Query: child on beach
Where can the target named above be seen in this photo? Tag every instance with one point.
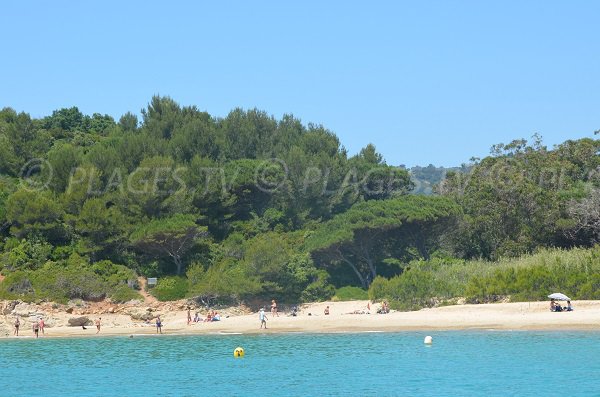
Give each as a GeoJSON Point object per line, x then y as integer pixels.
{"type": "Point", "coordinates": [262, 317]}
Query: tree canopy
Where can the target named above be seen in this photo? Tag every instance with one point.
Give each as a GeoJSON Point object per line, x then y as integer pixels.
{"type": "Point", "coordinates": [172, 237]}
{"type": "Point", "coordinates": [248, 206]}
{"type": "Point", "coordinates": [369, 232]}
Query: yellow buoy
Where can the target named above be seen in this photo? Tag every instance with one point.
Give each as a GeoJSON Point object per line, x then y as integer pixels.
{"type": "Point", "coordinates": [238, 352]}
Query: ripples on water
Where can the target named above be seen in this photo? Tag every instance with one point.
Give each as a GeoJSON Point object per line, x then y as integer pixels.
{"type": "Point", "coordinates": [372, 364]}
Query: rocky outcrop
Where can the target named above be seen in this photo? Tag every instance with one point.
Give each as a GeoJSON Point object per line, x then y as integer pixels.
{"type": "Point", "coordinates": [26, 310]}
{"type": "Point", "coordinates": [8, 306]}
{"type": "Point", "coordinates": [79, 321]}
{"type": "Point", "coordinates": [140, 313]}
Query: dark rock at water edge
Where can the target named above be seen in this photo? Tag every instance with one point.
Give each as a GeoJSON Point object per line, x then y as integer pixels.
{"type": "Point", "coordinates": [79, 321]}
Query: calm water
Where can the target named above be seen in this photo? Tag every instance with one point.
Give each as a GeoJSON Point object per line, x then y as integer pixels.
{"type": "Point", "coordinates": [367, 364]}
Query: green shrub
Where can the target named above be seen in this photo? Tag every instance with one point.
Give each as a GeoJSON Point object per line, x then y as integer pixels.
{"type": "Point", "coordinates": [319, 290]}
{"type": "Point", "coordinates": [350, 293]}
{"type": "Point", "coordinates": [123, 293]}
{"type": "Point", "coordinates": [170, 288]}
{"type": "Point", "coordinates": [378, 289]}
{"type": "Point", "coordinates": [17, 285]}
{"type": "Point", "coordinates": [534, 283]}
{"type": "Point", "coordinates": [61, 282]}
{"type": "Point", "coordinates": [226, 281]}
{"type": "Point", "coordinates": [26, 254]}
{"type": "Point", "coordinates": [411, 290]}
{"type": "Point", "coordinates": [54, 282]}
{"type": "Point", "coordinates": [63, 252]}
{"type": "Point", "coordinates": [73, 278]}
{"type": "Point", "coordinates": [575, 272]}
{"type": "Point", "coordinates": [404, 306]}
{"type": "Point", "coordinates": [114, 274]}
{"type": "Point", "coordinates": [590, 289]}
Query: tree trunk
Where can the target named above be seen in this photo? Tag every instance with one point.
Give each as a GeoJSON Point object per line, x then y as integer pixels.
{"type": "Point", "coordinates": [420, 244]}
{"type": "Point", "coordinates": [363, 282]}
{"type": "Point", "coordinates": [364, 253]}
{"type": "Point", "coordinates": [178, 263]}
{"type": "Point", "coordinates": [372, 267]}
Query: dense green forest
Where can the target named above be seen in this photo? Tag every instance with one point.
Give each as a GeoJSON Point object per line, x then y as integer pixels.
{"type": "Point", "coordinates": [249, 207]}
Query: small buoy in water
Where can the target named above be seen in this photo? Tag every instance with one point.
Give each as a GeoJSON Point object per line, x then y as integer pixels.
{"type": "Point", "coordinates": [238, 352]}
{"type": "Point", "coordinates": [428, 340]}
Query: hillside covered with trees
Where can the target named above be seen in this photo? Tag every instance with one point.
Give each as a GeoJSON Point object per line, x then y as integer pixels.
{"type": "Point", "coordinates": [250, 207]}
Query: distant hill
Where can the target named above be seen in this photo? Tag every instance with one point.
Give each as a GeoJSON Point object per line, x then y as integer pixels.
{"type": "Point", "coordinates": [425, 178]}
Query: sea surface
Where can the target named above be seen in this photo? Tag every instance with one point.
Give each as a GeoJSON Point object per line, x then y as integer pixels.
{"type": "Point", "coordinates": [481, 363]}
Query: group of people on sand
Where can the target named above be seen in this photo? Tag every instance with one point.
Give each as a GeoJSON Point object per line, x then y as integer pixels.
{"type": "Point", "coordinates": [211, 316]}
{"type": "Point", "coordinates": [384, 309]}
{"type": "Point", "coordinates": [37, 326]}
{"type": "Point", "coordinates": [262, 316]}
{"type": "Point", "coordinates": [556, 307]}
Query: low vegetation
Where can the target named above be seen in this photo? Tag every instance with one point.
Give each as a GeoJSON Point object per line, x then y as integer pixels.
{"type": "Point", "coordinates": [574, 272]}
{"type": "Point", "coordinates": [349, 293]}
{"type": "Point", "coordinates": [69, 279]}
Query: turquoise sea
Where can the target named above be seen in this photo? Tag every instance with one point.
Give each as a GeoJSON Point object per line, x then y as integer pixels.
{"type": "Point", "coordinates": [482, 363]}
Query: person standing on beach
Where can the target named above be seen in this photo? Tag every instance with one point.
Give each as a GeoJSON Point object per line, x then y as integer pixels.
{"type": "Point", "coordinates": [274, 308]}
{"type": "Point", "coordinates": [17, 325]}
{"type": "Point", "coordinates": [263, 318]}
{"type": "Point", "coordinates": [42, 325]}
{"type": "Point", "coordinates": [98, 322]}
{"type": "Point", "coordinates": [36, 329]}
{"type": "Point", "coordinates": [158, 325]}
{"type": "Point", "coordinates": [189, 313]}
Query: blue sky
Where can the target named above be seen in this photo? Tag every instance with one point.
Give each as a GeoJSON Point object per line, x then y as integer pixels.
{"type": "Point", "coordinates": [426, 82]}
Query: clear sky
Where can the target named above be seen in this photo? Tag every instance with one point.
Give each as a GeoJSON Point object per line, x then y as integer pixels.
{"type": "Point", "coordinates": [425, 81]}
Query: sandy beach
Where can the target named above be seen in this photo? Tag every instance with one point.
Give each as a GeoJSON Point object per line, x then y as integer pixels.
{"type": "Point", "coordinates": [344, 317]}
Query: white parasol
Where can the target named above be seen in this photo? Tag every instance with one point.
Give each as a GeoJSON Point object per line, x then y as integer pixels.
{"type": "Point", "coordinates": [559, 297]}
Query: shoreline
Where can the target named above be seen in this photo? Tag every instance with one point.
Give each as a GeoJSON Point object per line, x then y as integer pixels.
{"type": "Point", "coordinates": [344, 318]}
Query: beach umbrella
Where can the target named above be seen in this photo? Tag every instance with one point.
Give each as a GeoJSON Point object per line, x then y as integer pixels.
{"type": "Point", "coordinates": [559, 297]}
